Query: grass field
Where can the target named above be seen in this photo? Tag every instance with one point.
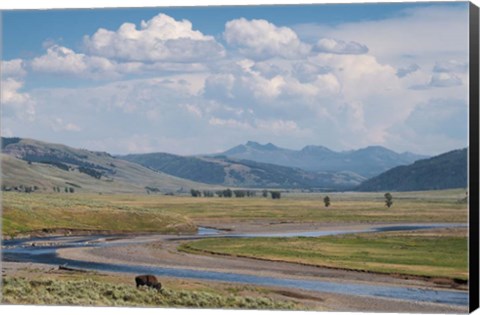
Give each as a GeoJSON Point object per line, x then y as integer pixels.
{"type": "Point", "coordinates": [100, 290]}
{"type": "Point", "coordinates": [436, 253]}
{"type": "Point", "coordinates": [308, 207]}
{"type": "Point", "coordinates": [23, 213]}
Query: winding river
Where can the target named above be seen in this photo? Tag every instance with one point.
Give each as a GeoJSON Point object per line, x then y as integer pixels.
{"type": "Point", "coordinates": [23, 251]}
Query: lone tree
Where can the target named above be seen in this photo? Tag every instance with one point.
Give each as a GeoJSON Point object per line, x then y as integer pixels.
{"type": "Point", "coordinates": [326, 201]}
{"type": "Point", "coordinates": [388, 200]}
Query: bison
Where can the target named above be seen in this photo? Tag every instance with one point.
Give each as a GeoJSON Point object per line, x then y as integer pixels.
{"type": "Point", "coordinates": [149, 281]}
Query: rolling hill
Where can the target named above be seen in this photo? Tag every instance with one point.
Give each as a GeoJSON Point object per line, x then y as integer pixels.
{"type": "Point", "coordinates": [367, 162]}
{"type": "Point", "coordinates": [30, 163]}
{"type": "Point", "coordinates": [448, 170]}
{"type": "Point", "coordinates": [243, 173]}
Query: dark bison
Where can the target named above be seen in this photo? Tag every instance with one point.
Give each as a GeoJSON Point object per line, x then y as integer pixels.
{"type": "Point", "coordinates": [149, 281]}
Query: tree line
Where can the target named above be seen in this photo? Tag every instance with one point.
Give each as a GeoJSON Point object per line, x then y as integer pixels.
{"type": "Point", "coordinates": [228, 193]}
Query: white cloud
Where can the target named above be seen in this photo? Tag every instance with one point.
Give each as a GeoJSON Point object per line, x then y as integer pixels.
{"type": "Point", "coordinates": [403, 72]}
{"type": "Point", "coordinates": [193, 110]}
{"type": "Point", "coordinates": [332, 46]}
{"type": "Point", "coordinates": [451, 66]}
{"type": "Point", "coordinates": [262, 39]}
{"type": "Point", "coordinates": [14, 68]}
{"type": "Point", "coordinates": [277, 126]}
{"type": "Point", "coordinates": [230, 123]}
{"type": "Point", "coordinates": [63, 60]}
{"type": "Point", "coordinates": [160, 39]}
{"type": "Point", "coordinates": [361, 84]}
{"type": "Point", "coordinates": [433, 127]}
{"type": "Point", "coordinates": [443, 79]}
{"type": "Point", "coordinates": [424, 34]}
{"type": "Point", "coordinates": [58, 125]}
{"type": "Point", "coordinates": [14, 101]}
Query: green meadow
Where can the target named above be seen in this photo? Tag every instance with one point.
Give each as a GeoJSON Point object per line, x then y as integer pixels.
{"type": "Point", "coordinates": [25, 213]}
{"type": "Point", "coordinates": [437, 253]}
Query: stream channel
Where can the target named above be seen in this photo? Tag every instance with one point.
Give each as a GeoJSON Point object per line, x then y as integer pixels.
{"type": "Point", "coordinates": [21, 250]}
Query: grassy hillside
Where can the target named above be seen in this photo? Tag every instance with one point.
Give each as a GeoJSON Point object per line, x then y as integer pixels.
{"type": "Point", "coordinates": [32, 163]}
{"type": "Point", "coordinates": [448, 170]}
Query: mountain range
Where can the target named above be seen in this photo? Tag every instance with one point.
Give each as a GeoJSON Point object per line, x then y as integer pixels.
{"type": "Point", "coordinates": [221, 170]}
{"type": "Point", "coordinates": [366, 162]}
{"type": "Point", "coordinates": [48, 166]}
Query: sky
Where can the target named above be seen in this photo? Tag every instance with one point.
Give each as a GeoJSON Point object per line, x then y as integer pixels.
{"type": "Point", "coordinates": [205, 79]}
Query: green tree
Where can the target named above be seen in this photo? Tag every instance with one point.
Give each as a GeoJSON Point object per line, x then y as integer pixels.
{"type": "Point", "coordinates": [208, 193]}
{"type": "Point", "coordinates": [276, 194]}
{"type": "Point", "coordinates": [195, 193]}
{"type": "Point", "coordinates": [326, 201]}
{"type": "Point", "coordinates": [239, 193]}
{"type": "Point", "coordinates": [388, 199]}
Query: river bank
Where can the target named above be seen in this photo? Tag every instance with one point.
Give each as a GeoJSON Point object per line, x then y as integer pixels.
{"type": "Point", "coordinates": [160, 251]}
{"type": "Point", "coordinates": [308, 300]}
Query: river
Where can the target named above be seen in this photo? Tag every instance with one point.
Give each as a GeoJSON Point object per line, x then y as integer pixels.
{"type": "Point", "coordinates": [23, 251]}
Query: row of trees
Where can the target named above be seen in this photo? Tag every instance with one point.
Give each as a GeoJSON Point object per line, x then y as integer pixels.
{"type": "Point", "coordinates": [30, 189]}
{"type": "Point", "coordinates": [228, 193]}
{"type": "Point", "coordinates": [20, 188]}
{"type": "Point", "coordinates": [66, 189]}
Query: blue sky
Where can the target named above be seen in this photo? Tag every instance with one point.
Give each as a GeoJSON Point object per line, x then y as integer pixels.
{"type": "Point", "coordinates": [204, 79]}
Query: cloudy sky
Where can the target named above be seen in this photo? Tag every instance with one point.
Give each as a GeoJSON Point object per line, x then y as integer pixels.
{"type": "Point", "coordinates": [201, 80]}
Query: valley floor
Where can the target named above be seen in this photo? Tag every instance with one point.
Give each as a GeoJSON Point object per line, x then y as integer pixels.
{"type": "Point", "coordinates": [162, 251]}
{"type": "Point", "coordinates": [136, 216]}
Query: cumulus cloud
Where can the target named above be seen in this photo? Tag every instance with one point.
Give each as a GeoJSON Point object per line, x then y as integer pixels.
{"type": "Point", "coordinates": [160, 39]}
{"type": "Point", "coordinates": [62, 60]}
{"type": "Point", "coordinates": [14, 68]}
{"type": "Point", "coordinates": [165, 80]}
{"type": "Point", "coordinates": [15, 102]}
{"type": "Point", "coordinates": [333, 46]}
{"type": "Point", "coordinates": [261, 39]}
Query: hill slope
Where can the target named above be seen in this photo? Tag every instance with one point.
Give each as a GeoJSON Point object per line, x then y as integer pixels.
{"type": "Point", "coordinates": [448, 170]}
{"type": "Point", "coordinates": [35, 163]}
{"type": "Point", "coordinates": [366, 162]}
{"type": "Point", "coordinates": [243, 173]}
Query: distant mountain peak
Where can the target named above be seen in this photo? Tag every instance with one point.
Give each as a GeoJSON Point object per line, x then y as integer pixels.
{"type": "Point", "coordinates": [367, 162]}
{"type": "Point", "coordinates": [255, 145]}
{"type": "Point", "coordinates": [316, 149]}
